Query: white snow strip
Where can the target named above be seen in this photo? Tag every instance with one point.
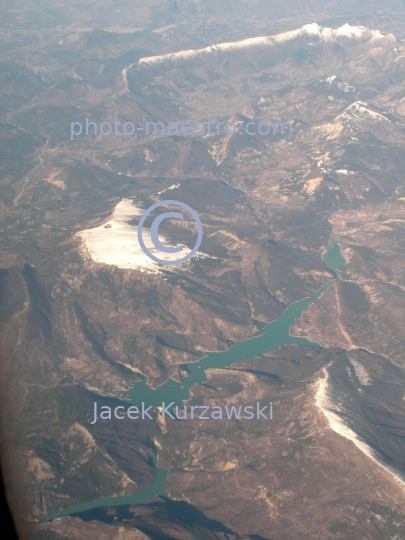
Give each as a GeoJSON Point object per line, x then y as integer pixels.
{"type": "Point", "coordinates": [344, 171]}
{"type": "Point", "coordinates": [361, 372]}
{"type": "Point", "coordinates": [174, 186]}
{"type": "Point", "coordinates": [337, 424]}
{"type": "Point", "coordinates": [357, 33]}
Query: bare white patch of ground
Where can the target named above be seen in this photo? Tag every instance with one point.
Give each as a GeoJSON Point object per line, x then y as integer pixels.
{"type": "Point", "coordinates": [116, 242]}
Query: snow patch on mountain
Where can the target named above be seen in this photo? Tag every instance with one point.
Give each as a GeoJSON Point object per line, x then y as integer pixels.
{"type": "Point", "coordinates": [362, 111]}
{"type": "Point", "coordinates": [355, 33]}
{"type": "Point", "coordinates": [335, 414]}
{"type": "Point", "coordinates": [361, 372]}
{"type": "Point", "coordinates": [116, 242]}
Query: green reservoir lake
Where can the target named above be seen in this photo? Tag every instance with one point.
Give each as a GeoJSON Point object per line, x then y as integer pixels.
{"type": "Point", "coordinates": [275, 335]}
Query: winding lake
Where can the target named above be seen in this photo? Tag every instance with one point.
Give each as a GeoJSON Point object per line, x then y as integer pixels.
{"type": "Point", "coordinates": [275, 335]}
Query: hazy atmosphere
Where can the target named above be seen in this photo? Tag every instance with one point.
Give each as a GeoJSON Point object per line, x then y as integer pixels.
{"type": "Point", "coordinates": [202, 269]}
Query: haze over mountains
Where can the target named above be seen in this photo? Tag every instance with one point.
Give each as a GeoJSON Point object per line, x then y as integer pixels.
{"type": "Point", "coordinates": [85, 316]}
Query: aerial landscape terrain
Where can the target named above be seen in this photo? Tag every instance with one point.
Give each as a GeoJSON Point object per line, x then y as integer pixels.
{"type": "Point", "coordinates": [294, 301]}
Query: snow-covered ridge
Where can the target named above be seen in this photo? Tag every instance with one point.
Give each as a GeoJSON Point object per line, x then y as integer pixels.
{"type": "Point", "coordinates": [361, 111]}
{"type": "Point", "coordinates": [331, 410]}
{"type": "Point", "coordinates": [355, 33]}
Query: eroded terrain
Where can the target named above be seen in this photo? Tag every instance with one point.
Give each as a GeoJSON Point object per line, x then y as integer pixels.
{"type": "Point", "coordinates": [85, 315]}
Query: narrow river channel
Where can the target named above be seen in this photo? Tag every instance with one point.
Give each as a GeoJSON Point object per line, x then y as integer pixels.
{"type": "Point", "coordinates": [275, 335]}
